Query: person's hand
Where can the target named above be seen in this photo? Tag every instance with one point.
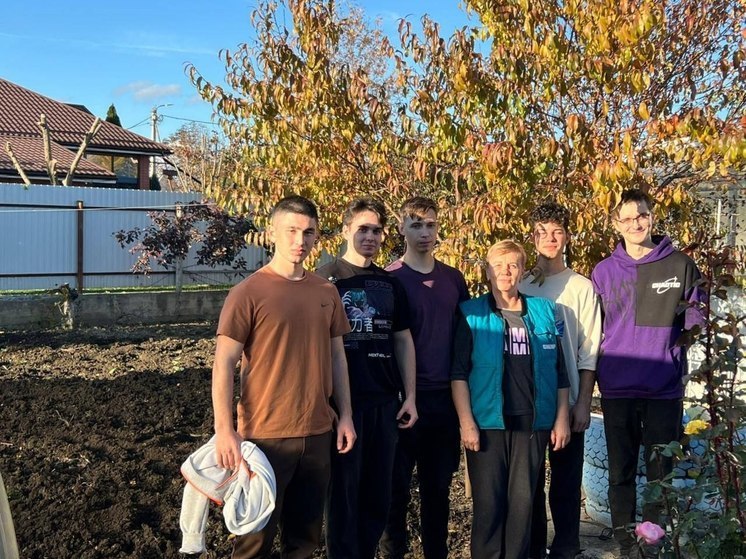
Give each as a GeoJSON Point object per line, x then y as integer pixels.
{"type": "Point", "coordinates": [580, 416]}
{"type": "Point", "coordinates": [228, 449]}
{"type": "Point", "coordinates": [407, 415]}
{"type": "Point", "coordinates": [470, 436]}
{"type": "Point", "coordinates": [346, 435]}
{"type": "Point", "coordinates": [560, 435]}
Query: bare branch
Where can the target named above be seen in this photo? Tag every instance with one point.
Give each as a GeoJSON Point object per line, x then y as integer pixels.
{"type": "Point", "coordinates": [81, 150]}
{"type": "Point", "coordinates": [51, 163]}
{"type": "Point", "coordinates": [16, 163]}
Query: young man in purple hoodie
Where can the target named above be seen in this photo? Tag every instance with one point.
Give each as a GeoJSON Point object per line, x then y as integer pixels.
{"type": "Point", "coordinates": [640, 369]}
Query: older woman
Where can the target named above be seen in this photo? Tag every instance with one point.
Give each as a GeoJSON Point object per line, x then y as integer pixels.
{"type": "Point", "coordinates": [510, 390]}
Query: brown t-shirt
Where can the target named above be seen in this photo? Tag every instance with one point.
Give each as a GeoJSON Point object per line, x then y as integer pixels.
{"type": "Point", "coordinates": [286, 373]}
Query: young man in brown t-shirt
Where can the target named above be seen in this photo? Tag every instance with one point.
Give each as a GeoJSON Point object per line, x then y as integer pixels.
{"type": "Point", "coordinates": [286, 326]}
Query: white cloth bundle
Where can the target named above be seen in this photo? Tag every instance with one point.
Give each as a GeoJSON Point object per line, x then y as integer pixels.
{"type": "Point", "coordinates": [247, 494]}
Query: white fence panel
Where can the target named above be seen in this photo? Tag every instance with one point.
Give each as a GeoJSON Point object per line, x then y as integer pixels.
{"type": "Point", "coordinates": [36, 242]}
{"type": "Point", "coordinates": [39, 228]}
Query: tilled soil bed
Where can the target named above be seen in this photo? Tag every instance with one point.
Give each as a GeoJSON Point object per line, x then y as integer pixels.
{"type": "Point", "coordinates": [94, 425]}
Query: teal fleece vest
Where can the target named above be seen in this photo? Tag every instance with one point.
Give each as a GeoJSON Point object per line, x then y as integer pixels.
{"type": "Point", "coordinates": [486, 376]}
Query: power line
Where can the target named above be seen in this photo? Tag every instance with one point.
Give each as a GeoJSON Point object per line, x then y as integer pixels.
{"type": "Point", "coordinates": [138, 124]}
{"type": "Point", "coordinates": [190, 120]}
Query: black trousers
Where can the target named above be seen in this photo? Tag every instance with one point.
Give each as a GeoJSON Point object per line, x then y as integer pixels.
{"type": "Point", "coordinates": [301, 467]}
{"type": "Point", "coordinates": [360, 488]}
{"type": "Point", "coordinates": [503, 476]}
{"type": "Point", "coordinates": [630, 422]}
{"type": "Point", "coordinates": [434, 446]}
{"type": "Point", "coordinates": [564, 501]}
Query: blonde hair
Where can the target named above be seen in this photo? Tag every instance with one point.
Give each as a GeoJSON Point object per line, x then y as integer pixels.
{"type": "Point", "coordinates": [503, 247]}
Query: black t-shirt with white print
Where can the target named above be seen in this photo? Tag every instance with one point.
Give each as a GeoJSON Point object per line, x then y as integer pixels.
{"type": "Point", "coordinates": [377, 307]}
{"type": "Point", "coordinates": [518, 380]}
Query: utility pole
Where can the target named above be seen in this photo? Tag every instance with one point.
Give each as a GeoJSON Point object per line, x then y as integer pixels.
{"type": "Point", "coordinates": [154, 123]}
{"type": "Point", "coordinates": [155, 118]}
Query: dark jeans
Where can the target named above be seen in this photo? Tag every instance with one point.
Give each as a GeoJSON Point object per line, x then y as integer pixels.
{"type": "Point", "coordinates": [629, 422]}
{"type": "Point", "coordinates": [566, 467]}
{"type": "Point", "coordinates": [503, 476]}
{"type": "Point", "coordinates": [360, 489]}
{"type": "Point", "coordinates": [434, 445]}
{"type": "Point", "coordinates": [301, 467]}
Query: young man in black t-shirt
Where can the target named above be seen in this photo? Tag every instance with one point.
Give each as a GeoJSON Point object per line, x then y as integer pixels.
{"type": "Point", "coordinates": [433, 445]}
{"type": "Point", "coordinates": [381, 361]}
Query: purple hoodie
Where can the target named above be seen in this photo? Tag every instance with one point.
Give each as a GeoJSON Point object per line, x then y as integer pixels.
{"type": "Point", "coordinates": [643, 320]}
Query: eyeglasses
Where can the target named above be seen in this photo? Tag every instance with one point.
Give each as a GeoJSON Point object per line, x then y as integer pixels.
{"type": "Point", "coordinates": [628, 221]}
{"type": "Point", "coordinates": [543, 233]}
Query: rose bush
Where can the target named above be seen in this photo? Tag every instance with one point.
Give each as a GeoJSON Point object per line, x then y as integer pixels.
{"type": "Point", "coordinates": [704, 498]}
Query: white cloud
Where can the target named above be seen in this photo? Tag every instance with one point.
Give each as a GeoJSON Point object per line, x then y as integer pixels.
{"type": "Point", "coordinates": [148, 91]}
{"type": "Point", "coordinates": [162, 50]}
{"type": "Point", "coordinates": [195, 100]}
{"type": "Point", "coordinates": [391, 16]}
{"type": "Point", "coordinates": [150, 46]}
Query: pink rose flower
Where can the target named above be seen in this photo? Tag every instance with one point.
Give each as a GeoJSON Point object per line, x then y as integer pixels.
{"type": "Point", "coordinates": [649, 532]}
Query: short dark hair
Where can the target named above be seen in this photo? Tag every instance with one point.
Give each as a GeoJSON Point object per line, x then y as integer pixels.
{"type": "Point", "coordinates": [633, 195]}
{"type": "Point", "coordinates": [417, 207]}
{"type": "Point", "coordinates": [364, 205]}
{"type": "Point", "coordinates": [550, 212]}
{"type": "Point", "coordinates": [295, 204]}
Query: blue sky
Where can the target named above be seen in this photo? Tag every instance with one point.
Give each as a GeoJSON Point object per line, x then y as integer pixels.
{"type": "Point", "coordinates": [132, 53]}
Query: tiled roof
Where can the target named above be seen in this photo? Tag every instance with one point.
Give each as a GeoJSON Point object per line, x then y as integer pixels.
{"type": "Point", "coordinates": [20, 109]}
{"type": "Point", "coordinates": [30, 155]}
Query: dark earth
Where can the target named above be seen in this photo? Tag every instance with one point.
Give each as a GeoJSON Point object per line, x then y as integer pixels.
{"type": "Point", "coordinates": [94, 425]}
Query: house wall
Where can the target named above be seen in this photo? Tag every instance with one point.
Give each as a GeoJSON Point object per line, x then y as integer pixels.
{"type": "Point", "coordinates": [143, 172]}
{"type": "Point", "coordinates": [730, 198]}
{"type": "Point", "coordinates": [40, 245]}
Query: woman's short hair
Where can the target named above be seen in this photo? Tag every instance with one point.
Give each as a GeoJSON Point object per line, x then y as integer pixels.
{"type": "Point", "coordinates": [507, 246]}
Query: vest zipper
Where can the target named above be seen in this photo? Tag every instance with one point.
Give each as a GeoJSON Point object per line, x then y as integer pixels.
{"type": "Point", "coordinates": [531, 349]}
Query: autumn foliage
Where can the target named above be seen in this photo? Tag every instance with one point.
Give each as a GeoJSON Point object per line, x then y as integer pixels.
{"type": "Point", "coordinates": [566, 100]}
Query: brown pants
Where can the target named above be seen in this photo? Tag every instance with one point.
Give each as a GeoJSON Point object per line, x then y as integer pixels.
{"type": "Point", "coordinates": [302, 467]}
